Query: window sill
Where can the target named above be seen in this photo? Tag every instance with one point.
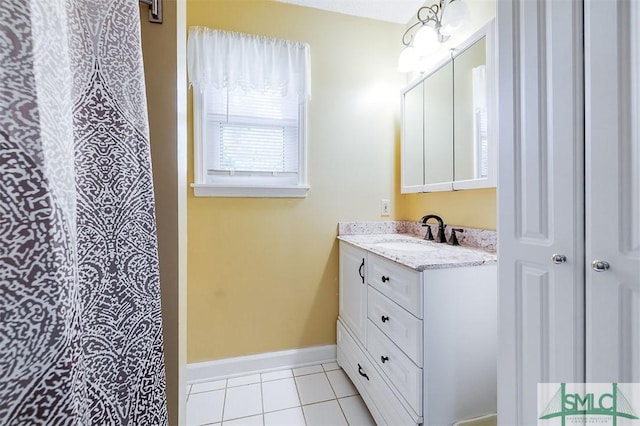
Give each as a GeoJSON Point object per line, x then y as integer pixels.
{"type": "Point", "coordinates": [209, 190]}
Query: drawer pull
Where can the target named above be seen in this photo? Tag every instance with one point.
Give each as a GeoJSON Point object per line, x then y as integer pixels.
{"type": "Point", "coordinates": [385, 279]}
{"type": "Point", "coordinates": [384, 318]}
{"type": "Point", "coordinates": [362, 373]}
{"type": "Point", "coordinates": [384, 359]}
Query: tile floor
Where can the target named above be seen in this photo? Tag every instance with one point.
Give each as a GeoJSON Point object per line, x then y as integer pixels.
{"type": "Point", "coordinates": [316, 395]}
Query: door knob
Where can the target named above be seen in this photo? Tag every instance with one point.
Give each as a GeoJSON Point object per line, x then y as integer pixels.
{"type": "Point", "coordinates": [559, 258]}
{"type": "Point", "coordinates": [599, 265]}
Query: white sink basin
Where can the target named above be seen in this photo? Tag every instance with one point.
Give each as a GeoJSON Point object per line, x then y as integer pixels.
{"type": "Point", "coordinates": [405, 246]}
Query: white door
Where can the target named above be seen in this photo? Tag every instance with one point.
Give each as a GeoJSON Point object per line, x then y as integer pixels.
{"type": "Point", "coordinates": [353, 290]}
{"type": "Point", "coordinates": [612, 72]}
{"type": "Point", "coordinates": [540, 203]}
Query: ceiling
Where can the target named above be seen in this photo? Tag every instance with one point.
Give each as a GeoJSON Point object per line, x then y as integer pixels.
{"type": "Point", "coordinates": [396, 11]}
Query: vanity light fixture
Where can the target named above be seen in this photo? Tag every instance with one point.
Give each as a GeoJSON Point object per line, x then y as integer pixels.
{"type": "Point", "coordinates": [436, 23]}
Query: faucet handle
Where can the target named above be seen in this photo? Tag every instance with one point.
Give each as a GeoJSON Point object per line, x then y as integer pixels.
{"type": "Point", "coordinates": [440, 237]}
{"type": "Point", "coordinates": [428, 236]}
{"type": "Point", "coordinates": [453, 240]}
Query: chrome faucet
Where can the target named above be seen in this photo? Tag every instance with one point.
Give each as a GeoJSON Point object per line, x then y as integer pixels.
{"type": "Point", "coordinates": [440, 238]}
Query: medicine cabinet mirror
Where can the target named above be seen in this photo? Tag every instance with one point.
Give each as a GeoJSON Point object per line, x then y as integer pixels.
{"type": "Point", "coordinates": [448, 136]}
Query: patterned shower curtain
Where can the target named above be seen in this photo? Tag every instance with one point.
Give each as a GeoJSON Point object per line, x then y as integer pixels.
{"type": "Point", "coordinates": [80, 318]}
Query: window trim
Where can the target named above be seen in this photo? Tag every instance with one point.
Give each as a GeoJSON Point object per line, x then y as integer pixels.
{"type": "Point", "coordinates": [244, 188]}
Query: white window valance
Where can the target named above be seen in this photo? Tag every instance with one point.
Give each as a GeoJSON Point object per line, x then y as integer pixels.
{"type": "Point", "coordinates": [223, 59]}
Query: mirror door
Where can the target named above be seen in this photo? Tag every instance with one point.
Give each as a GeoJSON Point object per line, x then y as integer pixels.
{"type": "Point", "coordinates": [471, 151]}
{"type": "Point", "coordinates": [412, 140]}
{"type": "Point", "coordinates": [438, 129]}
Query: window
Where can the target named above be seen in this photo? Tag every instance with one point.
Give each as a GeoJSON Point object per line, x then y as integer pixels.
{"type": "Point", "coordinates": [249, 114]}
{"type": "Point", "coordinates": [252, 136]}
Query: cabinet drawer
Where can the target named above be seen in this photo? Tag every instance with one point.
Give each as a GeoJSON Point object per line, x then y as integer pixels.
{"type": "Point", "coordinates": [403, 373]}
{"type": "Point", "coordinates": [385, 407]}
{"type": "Point", "coordinates": [400, 326]}
{"type": "Point", "coordinates": [400, 284]}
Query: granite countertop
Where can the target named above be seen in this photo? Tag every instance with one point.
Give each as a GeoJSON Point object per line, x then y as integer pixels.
{"type": "Point", "coordinates": [440, 256]}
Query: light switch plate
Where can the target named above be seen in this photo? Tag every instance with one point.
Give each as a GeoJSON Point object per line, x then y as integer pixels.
{"type": "Point", "coordinates": [385, 207]}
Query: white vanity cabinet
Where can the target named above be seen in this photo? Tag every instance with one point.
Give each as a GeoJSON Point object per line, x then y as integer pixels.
{"type": "Point", "coordinates": [427, 354]}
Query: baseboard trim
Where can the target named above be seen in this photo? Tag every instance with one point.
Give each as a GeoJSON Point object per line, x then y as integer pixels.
{"type": "Point", "coordinates": [260, 363]}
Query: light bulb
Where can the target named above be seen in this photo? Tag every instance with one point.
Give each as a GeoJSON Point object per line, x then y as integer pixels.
{"type": "Point", "coordinates": [408, 60]}
{"type": "Point", "coordinates": [454, 17]}
{"type": "Point", "coordinates": [426, 40]}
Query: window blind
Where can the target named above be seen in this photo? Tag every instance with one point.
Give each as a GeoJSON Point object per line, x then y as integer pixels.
{"type": "Point", "coordinates": [252, 132]}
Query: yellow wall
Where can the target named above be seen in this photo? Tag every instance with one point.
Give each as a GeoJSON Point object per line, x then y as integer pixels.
{"type": "Point", "coordinates": [263, 273]}
{"type": "Point", "coordinates": [471, 208]}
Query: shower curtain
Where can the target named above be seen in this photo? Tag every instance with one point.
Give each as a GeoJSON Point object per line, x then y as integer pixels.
{"type": "Point", "coordinates": [80, 318]}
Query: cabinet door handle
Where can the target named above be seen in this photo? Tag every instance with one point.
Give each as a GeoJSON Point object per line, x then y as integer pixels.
{"type": "Point", "coordinates": [385, 279]}
{"type": "Point", "coordinates": [362, 373]}
{"type": "Point", "coordinates": [361, 271]}
{"type": "Point", "coordinates": [384, 318]}
{"type": "Point", "coordinates": [384, 359]}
